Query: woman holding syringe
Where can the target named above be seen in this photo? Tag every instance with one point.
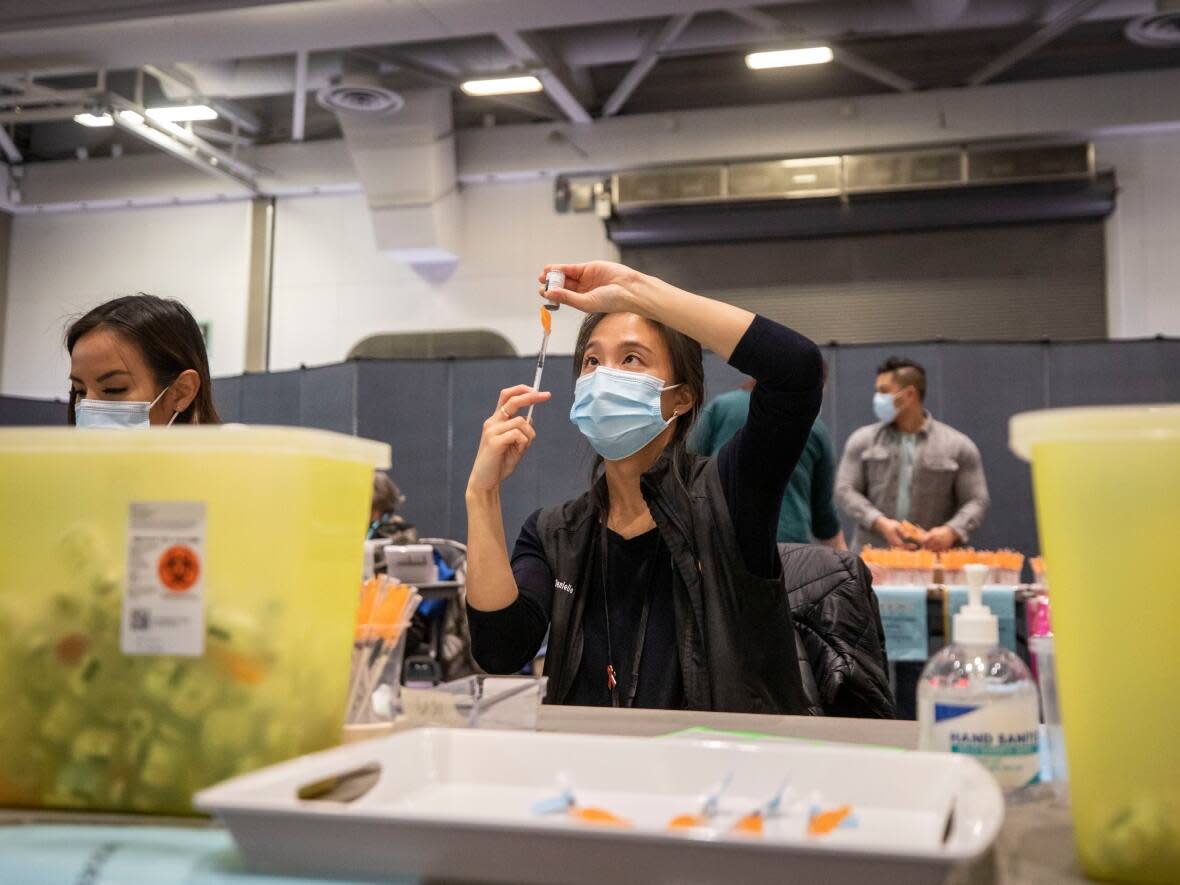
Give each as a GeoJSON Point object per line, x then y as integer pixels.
{"type": "Point", "coordinates": [661, 586]}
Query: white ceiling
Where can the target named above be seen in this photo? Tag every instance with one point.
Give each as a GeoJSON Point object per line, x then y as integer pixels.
{"type": "Point", "coordinates": [73, 33]}
{"type": "Point", "coordinates": [587, 52]}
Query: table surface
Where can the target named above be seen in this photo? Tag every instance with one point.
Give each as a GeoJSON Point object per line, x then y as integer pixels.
{"type": "Point", "coordinates": [1035, 846]}
{"type": "Point", "coordinates": [652, 723]}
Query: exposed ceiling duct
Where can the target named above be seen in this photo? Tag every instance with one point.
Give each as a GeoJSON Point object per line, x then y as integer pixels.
{"type": "Point", "coordinates": [405, 163]}
{"type": "Point", "coordinates": [253, 77]}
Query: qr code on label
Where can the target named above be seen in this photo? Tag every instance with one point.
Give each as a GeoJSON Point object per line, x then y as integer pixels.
{"type": "Point", "coordinates": [141, 619]}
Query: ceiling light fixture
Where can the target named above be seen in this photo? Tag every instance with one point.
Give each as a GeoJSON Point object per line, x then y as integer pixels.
{"type": "Point", "coordinates": [94, 121]}
{"type": "Point", "coordinates": [789, 58]}
{"type": "Point", "coordinates": [97, 121]}
{"type": "Point", "coordinates": [501, 86]}
{"type": "Point", "coordinates": [184, 113]}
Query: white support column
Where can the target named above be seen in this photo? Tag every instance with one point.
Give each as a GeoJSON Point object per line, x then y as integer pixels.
{"type": "Point", "coordinates": [299, 109]}
{"type": "Point", "coordinates": [258, 297]}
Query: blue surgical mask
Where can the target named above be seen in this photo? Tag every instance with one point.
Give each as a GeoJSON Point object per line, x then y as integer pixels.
{"type": "Point", "coordinates": [116, 414]}
{"type": "Point", "coordinates": [884, 407]}
{"type": "Point", "coordinates": [619, 412]}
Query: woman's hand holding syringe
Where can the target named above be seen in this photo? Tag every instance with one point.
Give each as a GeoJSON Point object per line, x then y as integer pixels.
{"type": "Point", "coordinates": [554, 279]}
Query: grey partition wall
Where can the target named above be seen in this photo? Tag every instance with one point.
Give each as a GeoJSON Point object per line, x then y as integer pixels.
{"type": "Point", "coordinates": [19, 411]}
{"type": "Point", "coordinates": [431, 412]}
{"type": "Point", "coordinates": [408, 404]}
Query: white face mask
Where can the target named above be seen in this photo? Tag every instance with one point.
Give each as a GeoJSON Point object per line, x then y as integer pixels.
{"type": "Point", "coordinates": [117, 414]}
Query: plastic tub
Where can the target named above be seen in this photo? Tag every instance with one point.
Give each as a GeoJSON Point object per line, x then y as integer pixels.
{"type": "Point", "coordinates": [175, 606]}
{"type": "Point", "coordinates": [1107, 488]}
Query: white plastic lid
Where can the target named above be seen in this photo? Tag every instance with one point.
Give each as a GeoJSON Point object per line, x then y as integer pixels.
{"type": "Point", "coordinates": [198, 439]}
{"type": "Point", "coordinates": [974, 623]}
{"type": "Point", "coordinates": [1092, 424]}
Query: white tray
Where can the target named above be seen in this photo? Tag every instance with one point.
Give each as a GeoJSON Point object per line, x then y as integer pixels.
{"type": "Point", "coordinates": [457, 804]}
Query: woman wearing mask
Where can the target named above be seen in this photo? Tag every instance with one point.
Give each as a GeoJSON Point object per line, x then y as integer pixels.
{"type": "Point", "coordinates": [661, 586]}
{"type": "Point", "coordinates": [138, 361]}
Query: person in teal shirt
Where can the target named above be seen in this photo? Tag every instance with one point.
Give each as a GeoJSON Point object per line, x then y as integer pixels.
{"type": "Point", "coordinates": [808, 513]}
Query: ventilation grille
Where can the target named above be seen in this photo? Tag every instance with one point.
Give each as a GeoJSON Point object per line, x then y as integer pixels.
{"type": "Point", "coordinates": [802, 178]}
{"type": "Point", "coordinates": [1160, 31]}
{"type": "Point", "coordinates": [359, 98]}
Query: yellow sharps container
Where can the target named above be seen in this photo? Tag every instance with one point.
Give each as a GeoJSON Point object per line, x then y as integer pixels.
{"type": "Point", "coordinates": [176, 606]}
{"type": "Point", "coordinates": [1107, 488]}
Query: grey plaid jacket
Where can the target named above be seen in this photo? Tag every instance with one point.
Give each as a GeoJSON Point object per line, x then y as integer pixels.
{"type": "Point", "coordinates": [947, 488]}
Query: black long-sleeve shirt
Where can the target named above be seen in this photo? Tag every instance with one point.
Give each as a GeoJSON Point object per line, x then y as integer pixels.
{"type": "Point", "coordinates": [754, 467]}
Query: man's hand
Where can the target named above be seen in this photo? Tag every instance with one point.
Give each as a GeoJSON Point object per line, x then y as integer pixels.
{"type": "Point", "coordinates": [941, 539]}
{"type": "Point", "coordinates": [890, 530]}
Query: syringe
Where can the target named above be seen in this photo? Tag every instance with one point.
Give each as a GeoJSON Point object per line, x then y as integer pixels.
{"type": "Point", "coordinates": [547, 325]}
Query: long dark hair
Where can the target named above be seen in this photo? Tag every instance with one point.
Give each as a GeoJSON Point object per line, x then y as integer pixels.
{"type": "Point", "coordinates": [688, 368]}
{"type": "Point", "coordinates": [167, 336]}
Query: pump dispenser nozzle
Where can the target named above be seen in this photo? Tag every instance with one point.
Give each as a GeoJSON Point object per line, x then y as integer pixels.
{"type": "Point", "coordinates": [974, 624]}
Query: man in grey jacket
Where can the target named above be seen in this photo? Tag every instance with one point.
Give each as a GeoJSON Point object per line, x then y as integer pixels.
{"type": "Point", "coordinates": [910, 468]}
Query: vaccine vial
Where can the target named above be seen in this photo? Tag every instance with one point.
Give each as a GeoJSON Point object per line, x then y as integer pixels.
{"type": "Point", "coordinates": [555, 279]}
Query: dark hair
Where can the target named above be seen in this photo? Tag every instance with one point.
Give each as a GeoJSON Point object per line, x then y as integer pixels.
{"type": "Point", "coordinates": [688, 368]}
{"type": "Point", "coordinates": [387, 497]}
{"type": "Point", "coordinates": [167, 336]}
{"type": "Point", "coordinates": [906, 373]}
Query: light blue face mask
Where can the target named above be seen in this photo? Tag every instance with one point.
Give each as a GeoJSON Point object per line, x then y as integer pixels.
{"type": "Point", "coordinates": [884, 407]}
{"type": "Point", "coordinates": [116, 414]}
{"type": "Point", "coordinates": [619, 412]}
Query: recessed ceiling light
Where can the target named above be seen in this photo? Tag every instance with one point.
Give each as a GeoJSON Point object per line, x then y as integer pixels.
{"type": "Point", "coordinates": [501, 86]}
{"type": "Point", "coordinates": [185, 113]}
{"type": "Point", "coordinates": [789, 58]}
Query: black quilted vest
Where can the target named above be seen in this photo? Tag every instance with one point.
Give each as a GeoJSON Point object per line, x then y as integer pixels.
{"type": "Point", "coordinates": [735, 636]}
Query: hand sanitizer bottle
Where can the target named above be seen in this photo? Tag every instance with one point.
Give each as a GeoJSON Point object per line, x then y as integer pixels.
{"type": "Point", "coordinates": [979, 699]}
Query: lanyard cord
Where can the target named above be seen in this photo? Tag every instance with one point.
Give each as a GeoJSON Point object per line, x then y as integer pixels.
{"type": "Point", "coordinates": [612, 682]}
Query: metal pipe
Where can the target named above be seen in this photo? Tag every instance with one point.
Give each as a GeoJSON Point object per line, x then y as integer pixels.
{"type": "Point", "coordinates": [647, 59]}
{"type": "Point", "coordinates": [872, 70]}
{"type": "Point", "coordinates": [44, 97]}
{"type": "Point", "coordinates": [181, 144]}
{"type": "Point", "coordinates": [218, 137]}
{"type": "Point", "coordinates": [1051, 31]}
{"type": "Point", "coordinates": [8, 147]}
{"type": "Point", "coordinates": [184, 86]}
{"type": "Point", "coordinates": [44, 115]}
{"type": "Point", "coordinates": [552, 73]}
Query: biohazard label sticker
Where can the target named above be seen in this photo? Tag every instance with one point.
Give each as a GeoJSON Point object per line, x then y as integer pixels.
{"type": "Point", "coordinates": [163, 603]}
{"type": "Point", "coordinates": [180, 567]}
